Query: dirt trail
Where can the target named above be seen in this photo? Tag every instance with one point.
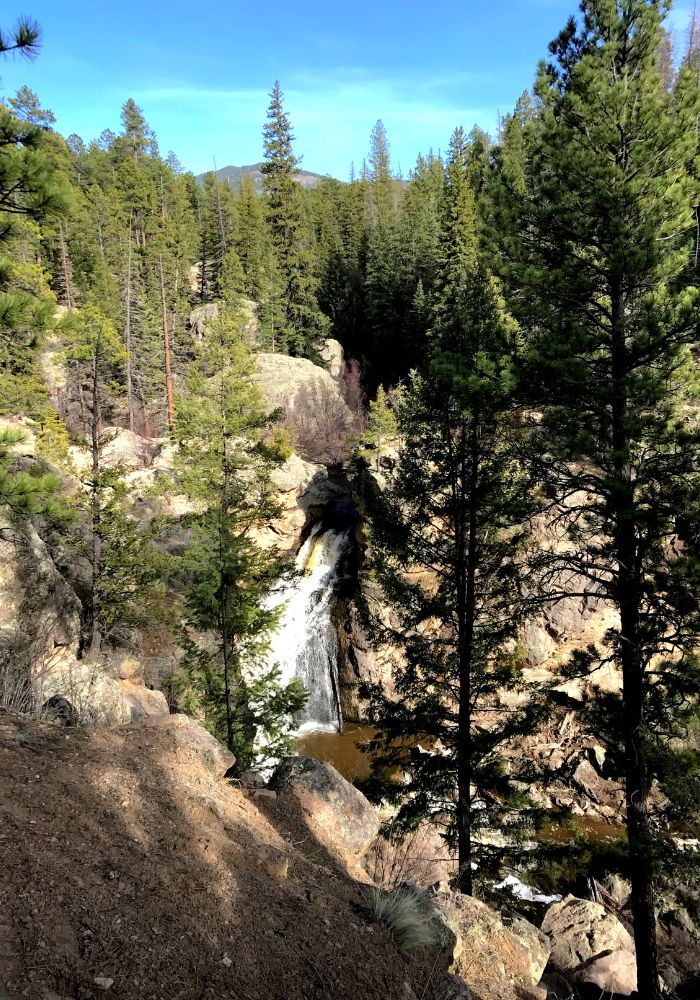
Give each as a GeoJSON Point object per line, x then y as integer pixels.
{"type": "Point", "coordinates": [129, 868]}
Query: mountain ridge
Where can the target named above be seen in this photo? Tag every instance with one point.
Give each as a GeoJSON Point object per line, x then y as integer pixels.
{"type": "Point", "coordinates": [233, 175]}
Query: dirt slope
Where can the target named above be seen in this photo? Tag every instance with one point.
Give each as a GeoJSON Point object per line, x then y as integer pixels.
{"type": "Point", "coordinates": [129, 868]}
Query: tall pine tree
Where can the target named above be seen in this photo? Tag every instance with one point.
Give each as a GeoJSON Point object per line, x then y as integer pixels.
{"type": "Point", "coordinates": [600, 271]}
{"type": "Point", "coordinates": [303, 323]}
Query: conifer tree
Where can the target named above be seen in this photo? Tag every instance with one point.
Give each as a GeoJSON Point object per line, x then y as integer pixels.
{"type": "Point", "coordinates": [599, 270]}
{"type": "Point", "coordinates": [303, 322]}
{"type": "Point", "coordinates": [27, 107]}
{"type": "Point", "coordinates": [123, 568]}
{"type": "Point", "coordinates": [24, 37]}
{"type": "Point", "coordinates": [250, 240]}
{"type": "Point", "coordinates": [451, 517]}
{"type": "Point", "coordinates": [29, 195]}
{"type": "Point", "coordinates": [225, 472]}
{"type": "Point", "coordinates": [381, 428]}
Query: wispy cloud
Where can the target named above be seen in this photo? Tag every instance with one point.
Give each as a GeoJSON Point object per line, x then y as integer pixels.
{"type": "Point", "coordinates": [332, 116]}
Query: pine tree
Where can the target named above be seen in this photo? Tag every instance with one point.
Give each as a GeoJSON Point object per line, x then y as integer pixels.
{"type": "Point", "coordinates": [601, 278]}
{"type": "Point", "coordinates": [380, 180]}
{"type": "Point", "coordinates": [27, 107]}
{"type": "Point", "coordinates": [137, 137]}
{"type": "Point", "coordinates": [446, 537]}
{"type": "Point", "coordinates": [24, 38]}
{"type": "Point", "coordinates": [123, 568]}
{"type": "Point", "coordinates": [217, 226]}
{"type": "Point", "coordinates": [29, 195]}
{"type": "Point", "coordinates": [250, 239]}
{"type": "Point", "coordinates": [225, 473]}
{"type": "Point", "coordinates": [303, 323]}
{"type": "Point", "coordinates": [381, 428]}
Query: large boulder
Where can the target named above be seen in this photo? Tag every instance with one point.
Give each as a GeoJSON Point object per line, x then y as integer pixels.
{"type": "Point", "coordinates": [422, 857]}
{"type": "Point", "coordinates": [331, 353]}
{"type": "Point", "coordinates": [335, 811]}
{"type": "Point", "coordinates": [289, 383]}
{"type": "Point", "coordinates": [591, 945]}
{"type": "Point", "coordinates": [316, 412]}
{"type": "Point", "coordinates": [95, 698]}
{"type": "Point", "coordinates": [303, 491]}
{"type": "Point", "coordinates": [192, 742]}
{"type": "Point", "coordinates": [499, 958]}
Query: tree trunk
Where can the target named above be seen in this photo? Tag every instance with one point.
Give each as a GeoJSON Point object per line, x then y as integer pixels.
{"type": "Point", "coordinates": [628, 599]}
{"type": "Point", "coordinates": [465, 537]}
{"type": "Point", "coordinates": [166, 353]}
{"type": "Point", "coordinates": [127, 338]}
{"type": "Point", "coordinates": [96, 557]}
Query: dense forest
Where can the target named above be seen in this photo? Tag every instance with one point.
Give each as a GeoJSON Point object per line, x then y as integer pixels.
{"type": "Point", "coordinates": [519, 318]}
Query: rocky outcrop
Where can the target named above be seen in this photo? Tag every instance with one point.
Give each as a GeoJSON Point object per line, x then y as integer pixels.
{"type": "Point", "coordinates": [499, 958]}
{"type": "Point", "coordinates": [192, 742]}
{"type": "Point", "coordinates": [315, 410]}
{"type": "Point", "coordinates": [94, 697]}
{"type": "Point", "coordinates": [331, 353]}
{"type": "Point", "coordinates": [39, 612]}
{"type": "Point", "coordinates": [590, 945]}
{"type": "Point", "coordinates": [130, 861]}
{"type": "Point", "coordinates": [304, 491]}
{"type": "Point", "coordinates": [422, 857]}
{"type": "Point", "coordinates": [337, 813]}
{"type": "Point", "coordinates": [290, 383]}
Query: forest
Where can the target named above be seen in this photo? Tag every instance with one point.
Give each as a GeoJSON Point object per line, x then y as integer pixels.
{"type": "Point", "coordinates": [519, 319]}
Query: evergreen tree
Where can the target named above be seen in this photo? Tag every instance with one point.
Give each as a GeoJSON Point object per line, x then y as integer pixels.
{"type": "Point", "coordinates": [303, 323]}
{"type": "Point", "coordinates": [24, 38]}
{"type": "Point", "coordinates": [138, 138]}
{"type": "Point", "coordinates": [601, 278]}
{"type": "Point", "coordinates": [380, 185]}
{"type": "Point", "coordinates": [446, 539]}
{"type": "Point", "coordinates": [250, 240]}
{"type": "Point", "coordinates": [217, 226]}
{"type": "Point", "coordinates": [123, 568]}
{"type": "Point", "coordinates": [29, 195]}
{"type": "Point", "coordinates": [225, 473]}
{"type": "Point", "coordinates": [381, 428]}
{"type": "Point", "coordinates": [27, 107]}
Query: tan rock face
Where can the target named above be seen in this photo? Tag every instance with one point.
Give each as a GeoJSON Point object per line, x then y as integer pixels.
{"type": "Point", "coordinates": [96, 698]}
{"type": "Point", "coordinates": [39, 612]}
{"type": "Point", "coordinates": [123, 447]}
{"type": "Point", "coordinates": [287, 383]}
{"type": "Point", "coordinates": [497, 961]}
{"type": "Point", "coordinates": [332, 354]}
{"type": "Point", "coordinates": [337, 813]}
{"type": "Point", "coordinates": [319, 419]}
{"type": "Point", "coordinates": [591, 945]}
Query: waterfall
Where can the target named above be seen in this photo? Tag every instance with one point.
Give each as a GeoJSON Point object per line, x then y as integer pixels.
{"type": "Point", "coordinates": [305, 645]}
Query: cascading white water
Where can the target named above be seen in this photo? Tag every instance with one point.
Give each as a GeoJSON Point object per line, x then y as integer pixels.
{"type": "Point", "coordinates": [306, 644]}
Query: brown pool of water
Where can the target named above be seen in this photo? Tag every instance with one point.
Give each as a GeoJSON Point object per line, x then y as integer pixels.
{"type": "Point", "coordinates": [594, 829]}
{"type": "Point", "coordinates": [342, 750]}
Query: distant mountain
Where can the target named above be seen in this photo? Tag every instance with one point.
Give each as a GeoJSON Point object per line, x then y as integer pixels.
{"type": "Point", "coordinates": [233, 175]}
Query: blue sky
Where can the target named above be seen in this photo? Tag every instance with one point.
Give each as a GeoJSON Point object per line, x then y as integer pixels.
{"type": "Point", "coordinates": [202, 71]}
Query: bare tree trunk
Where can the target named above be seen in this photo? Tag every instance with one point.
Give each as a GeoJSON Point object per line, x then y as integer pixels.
{"type": "Point", "coordinates": [166, 353]}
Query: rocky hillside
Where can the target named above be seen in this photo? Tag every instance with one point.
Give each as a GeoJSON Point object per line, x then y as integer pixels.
{"type": "Point", "coordinates": [132, 868]}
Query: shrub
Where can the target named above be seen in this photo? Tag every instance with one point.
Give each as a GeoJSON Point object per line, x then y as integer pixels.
{"type": "Point", "coordinates": [406, 914]}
